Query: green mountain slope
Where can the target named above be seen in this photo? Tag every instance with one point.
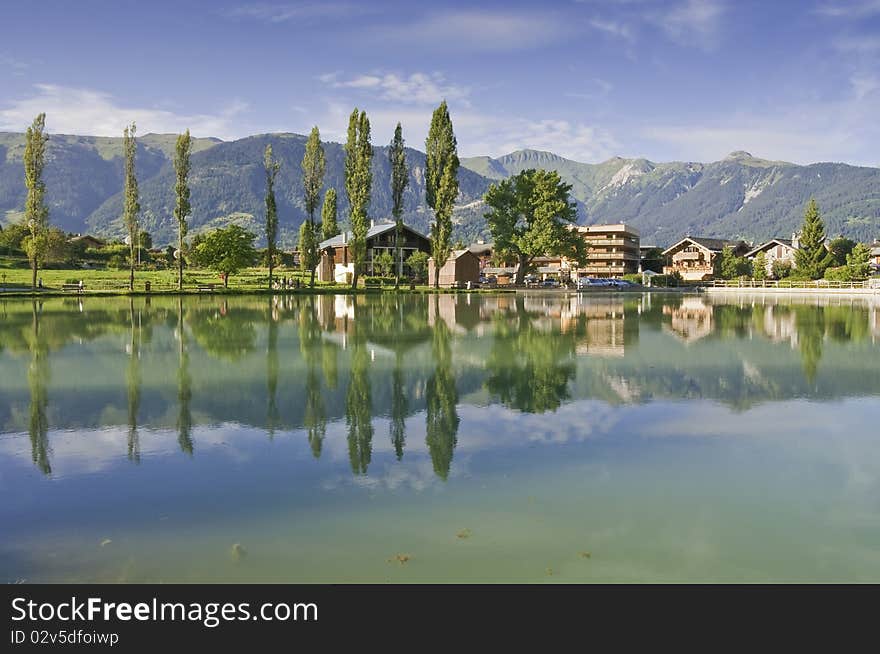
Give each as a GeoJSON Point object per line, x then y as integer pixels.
{"type": "Point", "coordinates": [740, 196]}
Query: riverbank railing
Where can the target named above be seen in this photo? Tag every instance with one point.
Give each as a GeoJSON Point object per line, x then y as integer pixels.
{"type": "Point", "coordinates": [785, 283]}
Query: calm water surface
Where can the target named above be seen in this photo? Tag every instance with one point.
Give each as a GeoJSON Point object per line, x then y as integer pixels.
{"type": "Point", "coordinates": [544, 437]}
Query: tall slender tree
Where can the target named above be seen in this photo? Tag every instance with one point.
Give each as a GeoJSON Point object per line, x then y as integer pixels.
{"type": "Point", "coordinates": [36, 212]}
{"type": "Point", "coordinates": [399, 181]}
{"type": "Point", "coordinates": [329, 224]}
{"type": "Point", "coordinates": [182, 206]}
{"type": "Point", "coordinates": [271, 166]}
{"type": "Point", "coordinates": [358, 185]}
{"type": "Point", "coordinates": [441, 184]}
{"type": "Point", "coordinates": [313, 166]}
{"type": "Point", "coordinates": [132, 204]}
{"type": "Point", "coordinates": [812, 257]}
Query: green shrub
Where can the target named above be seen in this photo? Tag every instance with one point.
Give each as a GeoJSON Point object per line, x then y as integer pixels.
{"type": "Point", "coordinates": [635, 278]}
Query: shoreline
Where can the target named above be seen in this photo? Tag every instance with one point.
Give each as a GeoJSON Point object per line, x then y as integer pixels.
{"type": "Point", "coordinates": [55, 293]}
{"type": "Point", "coordinates": [769, 290]}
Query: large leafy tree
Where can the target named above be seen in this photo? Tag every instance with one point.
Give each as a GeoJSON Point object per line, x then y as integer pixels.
{"type": "Point", "coordinates": [358, 185]}
{"type": "Point", "coordinates": [182, 206]}
{"type": "Point", "coordinates": [399, 181]}
{"type": "Point", "coordinates": [531, 215]}
{"type": "Point", "coordinates": [131, 204]}
{"type": "Point", "coordinates": [441, 183]}
{"type": "Point", "coordinates": [313, 166]}
{"type": "Point", "coordinates": [227, 251]}
{"type": "Point", "coordinates": [271, 167]}
{"type": "Point", "coordinates": [36, 212]}
{"type": "Point", "coordinates": [329, 224]}
{"type": "Point", "coordinates": [812, 257]}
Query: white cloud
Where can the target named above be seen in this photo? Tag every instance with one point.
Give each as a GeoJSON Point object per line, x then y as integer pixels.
{"type": "Point", "coordinates": [856, 9]}
{"type": "Point", "coordinates": [613, 28]}
{"type": "Point", "coordinates": [693, 22]}
{"type": "Point", "coordinates": [478, 30]}
{"type": "Point", "coordinates": [864, 85]}
{"type": "Point", "coordinates": [17, 66]}
{"type": "Point", "coordinates": [841, 130]}
{"type": "Point", "coordinates": [84, 111]}
{"type": "Point", "coordinates": [417, 88]}
{"type": "Point", "coordinates": [865, 44]}
{"type": "Point", "coordinates": [299, 12]}
{"type": "Point", "coordinates": [478, 133]}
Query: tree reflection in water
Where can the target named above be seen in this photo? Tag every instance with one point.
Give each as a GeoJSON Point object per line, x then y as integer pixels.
{"type": "Point", "coordinates": [38, 383]}
{"type": "Point", "coordinates": [441, 397]}
{"type": "Point", "coordinates": [184, 385]}
{"type": "Point", "coordinates": [311, 348]}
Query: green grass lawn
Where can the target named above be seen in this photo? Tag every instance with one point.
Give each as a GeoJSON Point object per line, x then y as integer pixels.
{"type": "Point", "coordinates": [15, 278]}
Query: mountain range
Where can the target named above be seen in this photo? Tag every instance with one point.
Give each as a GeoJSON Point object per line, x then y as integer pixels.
{"type": "Point", "coordinates": [740, 196]}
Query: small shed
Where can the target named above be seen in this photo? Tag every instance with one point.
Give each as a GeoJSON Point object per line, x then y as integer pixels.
{"type": "Point", "coordinates": [461, 267]}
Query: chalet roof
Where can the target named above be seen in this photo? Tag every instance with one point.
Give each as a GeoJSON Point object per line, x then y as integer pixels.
{"type": "Point", "coordinates": [86, 237]}
{"type": "Point", "coordinates": [713, 244]}
{"type": "Point", "coordinates": [456, 254]}
{"type": "Point", "coordinates": [375, 230]}
{"type": "Point", "coordinates": [787, 242]}
{"type": "Point", "coordinates": [481, 247]}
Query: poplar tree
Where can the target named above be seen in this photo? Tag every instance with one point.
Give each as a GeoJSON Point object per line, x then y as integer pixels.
{"type": "Point", "coordinates": [271, 166]}
{"type": "Point", "coordinates": [812, 257]}
{"type": "Point", "coordinates": [313, 166]}
{"type": "Point", "coordinates": [36, 212]}
{"type": "Point", "coordinates": [399, 181]}
{"type": "Point", "coordinates": [132, 204]}
{"type": "Point", "coordinates": [441, 184]}
{"type": "Point", "coordinates": [182, 206]}
{"type": "Point", "coordinates": [358, 184]}
{"type": "Point", "coordinates": [329, 225]}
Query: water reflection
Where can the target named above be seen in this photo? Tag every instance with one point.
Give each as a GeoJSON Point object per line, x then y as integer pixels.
{"type": "Point", "coordinates": [184, 385]}
{"type": "Point", "coordinates": [38, 383]}
{"type": "Point", "coordinates": [362, 361]}
{"type": "Point", "coordinates": [441, 396]}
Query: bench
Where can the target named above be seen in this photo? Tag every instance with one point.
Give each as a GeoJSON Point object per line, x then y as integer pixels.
{"type": "Point", "coordinates": [206, 288]}
{"type": "Point", "coordinates": [72, 287]}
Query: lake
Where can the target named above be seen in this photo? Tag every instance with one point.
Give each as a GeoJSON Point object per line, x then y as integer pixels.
{"type": "Point", "coordinates": [544, 437]}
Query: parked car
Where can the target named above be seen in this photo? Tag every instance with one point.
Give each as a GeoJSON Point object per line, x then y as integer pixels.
{"type": "Point", "coordinates": [550, 283]}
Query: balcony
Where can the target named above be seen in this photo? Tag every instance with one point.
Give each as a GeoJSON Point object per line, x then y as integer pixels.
{"type": "Point", "coordinates": [617, 256]}
{"type": "Point", "coordinates": [598, 242]}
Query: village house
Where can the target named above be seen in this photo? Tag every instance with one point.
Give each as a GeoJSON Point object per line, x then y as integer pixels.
{"type": "Point", "coordinates": [875, 255]}
{"type": "Point", "coordinates": [336, 263]}
{"type": "Point", "coordinates": [694, 257]}
{"type": "Point", "coordinates": [483, 252]}
{"type": "Point", "coordinates": [461, 267]}
{"type": "Point", "coordinates": [87, 241]}
{"type": "Point", "coordinates": [776, 249]}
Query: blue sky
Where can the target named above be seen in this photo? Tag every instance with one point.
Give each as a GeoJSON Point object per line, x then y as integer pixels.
{"type": "Point", "coordinates": [589, 79]}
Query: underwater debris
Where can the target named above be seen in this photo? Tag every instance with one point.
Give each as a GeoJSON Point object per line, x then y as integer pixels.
{"type": "Point", "coordinates": [106, 541]}
{"type": "Point", "coordinates": [464, 533]}
{"type": "Point", "coordinates": [585, 555]}
{"type": "Point", "coordinates": [400, 558]}
{"type": "Point", "coordinates": [238, 552]}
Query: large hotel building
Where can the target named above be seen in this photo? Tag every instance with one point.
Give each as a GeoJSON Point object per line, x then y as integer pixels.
{"type": "Point", "coordinates": [613, 250]}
